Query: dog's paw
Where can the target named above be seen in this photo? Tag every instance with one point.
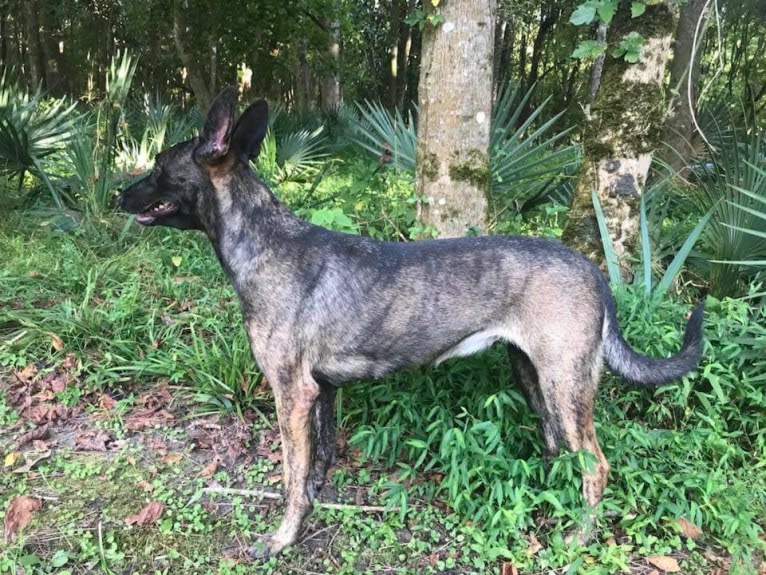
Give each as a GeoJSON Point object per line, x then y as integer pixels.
{"type": "Point", "coordinates": [261, 550]}
{"type": "Point", "coordinates": [266, 546]}
{"type": "Point", "coordinates": [583, 534]}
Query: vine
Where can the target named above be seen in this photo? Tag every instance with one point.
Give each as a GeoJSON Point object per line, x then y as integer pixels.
{"type": "Point", "coordinates": [602, 12]}
{"type": "Point", "coordinates": [420, 17]}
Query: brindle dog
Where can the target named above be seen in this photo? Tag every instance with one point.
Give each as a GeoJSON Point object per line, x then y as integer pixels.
{"type": "Point", "coordinates": [322, 308]}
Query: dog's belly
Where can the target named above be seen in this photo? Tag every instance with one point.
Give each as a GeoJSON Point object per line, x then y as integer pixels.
{"type": "Point", "coordinates": [379, 362]}
{"type": "Point", "coordinates": [342, 369]}
{"type": "Point", "coordinates": [475, 342]}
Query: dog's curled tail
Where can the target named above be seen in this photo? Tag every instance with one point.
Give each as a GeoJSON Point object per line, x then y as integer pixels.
{"type": "Point", "coordinates": [639, 369]}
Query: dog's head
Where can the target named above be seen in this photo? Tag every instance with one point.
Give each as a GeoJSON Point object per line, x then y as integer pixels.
{"type": "Point", "coordinates": [180, 190]}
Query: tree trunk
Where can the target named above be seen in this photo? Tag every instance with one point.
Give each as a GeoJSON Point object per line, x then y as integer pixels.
{"type": "Point", "coordinates": [403, 47]}
{"type": "Point", "coordinates": [412, 78]}
{"type": "Point", "coordinates": [548, 17]}
{"type": "Point", "coordinates": [621, 134]}
{"type": "Point", "coordinates": [330, 93]}
{"type": "Point", "coordinates": [31, 35]}
{"type": "Point", "coordinates": [4, 40]}
{"type": "Point", "coordinates": [397, 23]}
{"type": "Point", "coordinates": [196, 78]}
{"type": "Point", "coordinates": [303, 87]}
{"type": "Point", "coordinates": [680, 138]}
{"type": "Point", "coordinates": [503, 50]}
{"type": "Point", "coordinates": [455, 106]}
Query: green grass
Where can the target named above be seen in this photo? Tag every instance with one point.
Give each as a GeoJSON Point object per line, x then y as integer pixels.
{"type": "Point", "coordinates": [452, 453]}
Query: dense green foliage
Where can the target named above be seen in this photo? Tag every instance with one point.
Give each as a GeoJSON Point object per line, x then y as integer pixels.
{"type": "Point", "coordinates": [453, 452]}
{"type": "Point", "coordinates": [133, 305]}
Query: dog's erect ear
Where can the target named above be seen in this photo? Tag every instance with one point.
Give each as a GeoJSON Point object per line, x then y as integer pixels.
{"type": "Point", "coordinates": [216, 135]}
{"type": "Point", "coordinates": [250, 131]}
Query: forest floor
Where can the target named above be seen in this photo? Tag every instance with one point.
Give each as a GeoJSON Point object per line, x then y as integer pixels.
{"type": "Point", "coordinates": [129, 482]}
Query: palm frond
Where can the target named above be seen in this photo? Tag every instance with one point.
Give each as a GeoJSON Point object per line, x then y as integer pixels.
{"type": "Point", "coordinates": [33, 128]}
{"type": "Point", "coordinates": [388, 137]}
{"type": "Point", "coordinates": [527, 158]}
{"type": "Point", "coordinates": [732, 184]}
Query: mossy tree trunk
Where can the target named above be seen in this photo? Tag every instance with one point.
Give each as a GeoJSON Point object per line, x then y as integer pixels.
{"type": "Point", "coordinates": [622, 132]}
{"type": "Point", "coordinates": [681, 140]}
{"type": "Point", "coordinates": [455, 106]}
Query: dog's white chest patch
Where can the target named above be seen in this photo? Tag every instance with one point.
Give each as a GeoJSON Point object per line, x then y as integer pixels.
{"type": "Point", "coordinates": [474, 343]}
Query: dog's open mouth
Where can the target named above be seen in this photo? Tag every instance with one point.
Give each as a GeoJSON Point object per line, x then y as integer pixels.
{"type": "Point", "coordinates": [156, 210]}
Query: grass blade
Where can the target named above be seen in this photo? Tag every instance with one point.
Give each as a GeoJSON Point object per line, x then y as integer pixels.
{"type": "Point", "coordinates": [612, 264]}
{"type": "Point", "coordinates": [678, 261]}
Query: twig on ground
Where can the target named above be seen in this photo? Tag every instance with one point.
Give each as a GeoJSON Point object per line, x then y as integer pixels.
{"type": "Point", "coordinates": [267, 494]}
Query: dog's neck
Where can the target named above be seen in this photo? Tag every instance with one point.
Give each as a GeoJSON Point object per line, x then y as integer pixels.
{"type": "Point", "coordinates": [247, 223]}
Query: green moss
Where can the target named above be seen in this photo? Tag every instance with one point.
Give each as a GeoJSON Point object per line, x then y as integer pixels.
{"type": "Point", "coordinates": [474, 171]}
{"type": "Point", "coordinates": [429, 166]}
{"type": "Point", "coordinates": [631, 109]}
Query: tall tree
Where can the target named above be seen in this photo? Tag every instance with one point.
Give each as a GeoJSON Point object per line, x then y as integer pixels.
{"type": "Point", "coordinates": [203, 92]}
{"type": "Point", "coordinates": [680, 138]}
{"type": "Point", "coordinates": [455, 106]}
{"type": "Point", "coordinates": [622, 130]}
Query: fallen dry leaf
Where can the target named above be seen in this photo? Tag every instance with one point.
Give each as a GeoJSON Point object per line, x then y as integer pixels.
{"type": "Point", "coordinates": [664, 563]}
{"type": "Point", "coordinates": [509, 568]}
{"type": "Point", "coordinates": [149, 514]}
{"type": "Point", "coordinates": [107, 402]}
{"type": "Point", "coordinates": [27, 373]}
{"type": "Point", "coordinates": [534, 545]}
{"type": "Point", "coordinates": [688, 529]}
{"type": "Point", "coordinates": [56, 341]}
{"type": "Point", "coordinates": [145, 485]}
{"type": "Point", "coordinates": [148, 417]}
{"type": "Point", "coordinates": [39, 432]}
{"type": "Point", "coordinates": [45, 413]}
{"type": "Point", "coordinates": [12, 458]}
{"type": "Point", "coordinates": [210, 468]}
{"type": "Point", "coordinates": [57, 382]}
{"type": "Point", "coordinates": [70, 362]}
{"type": "Point", "coordinates": [31, 460]}
{"type": "Point", "coordinates": [19, 514]}
{"type": "Point", "coordinates": [40, 445]}
{"type": "Point", "coordinates": [93, 440]}
{"type": "Point", "coordinates": [172, 458]}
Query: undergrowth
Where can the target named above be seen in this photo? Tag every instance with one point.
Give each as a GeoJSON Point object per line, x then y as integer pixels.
{"type": "Point", "coordinates": [135, 305]}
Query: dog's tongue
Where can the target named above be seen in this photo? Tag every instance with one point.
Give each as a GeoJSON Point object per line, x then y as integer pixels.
{"type": "Point", "coordinates": [144, 218]}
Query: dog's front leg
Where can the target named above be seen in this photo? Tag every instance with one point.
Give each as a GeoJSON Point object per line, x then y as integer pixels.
{"type": "Point", "coordinates": [295, 394]}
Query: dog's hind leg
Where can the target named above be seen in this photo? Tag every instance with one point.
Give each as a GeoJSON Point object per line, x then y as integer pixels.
{"type": "Point", "coordinates": [295, 394]}
{"type": "Point", "coordinates": [568, 386]}
{"type": "Point", "coordinates": [525, 375]}
{"type": "Point", "coordinates": [323, 440]}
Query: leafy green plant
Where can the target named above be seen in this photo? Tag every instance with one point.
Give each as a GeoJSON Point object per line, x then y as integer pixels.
{"type": "Point", "coordinates": [94, 152]}
{"type": "Point", "coordinates": [602, 12]}
{"type": "Point", "coordinates": [390, 138]}
{"type": "Point", "coordinates": [527, 160]}
{"type": "Point", "coordinates": [527, 163]}
{"type": "Point", "coordinates": [290, 152]}
{"type": "Point", "coordinates": [154, 124]}
{"type": "Point", "coordinates": [733, 186]}
{"type": "Point", "coordinates": [32, 129]}
{"type": "Point", "coordinates": [420, 18]}
{"type": "Point", "coordinates": [654, 292]}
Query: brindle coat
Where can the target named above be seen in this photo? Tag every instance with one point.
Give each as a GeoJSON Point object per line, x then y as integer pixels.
{"type": "Point", "coordinates": [322, 308]}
